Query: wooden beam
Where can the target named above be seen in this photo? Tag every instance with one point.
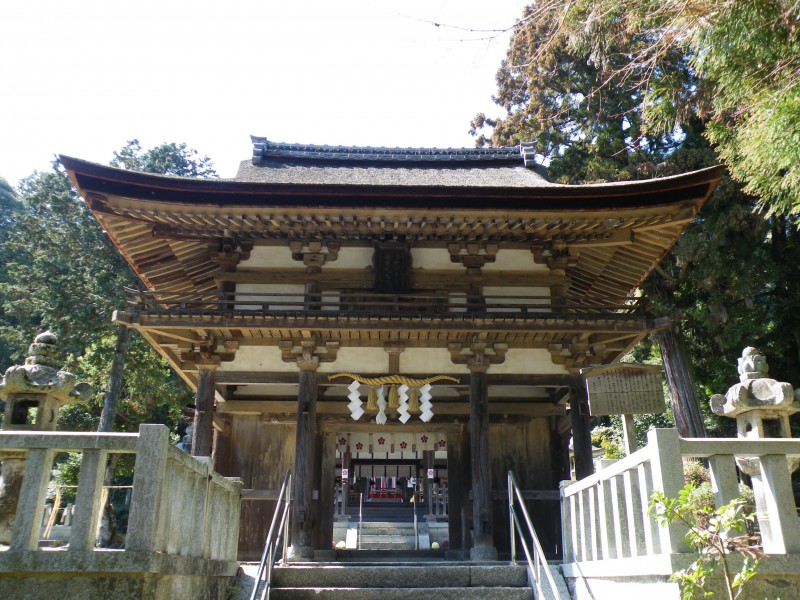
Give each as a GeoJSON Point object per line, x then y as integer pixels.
{"type": "Point", "coordinates": [440, 407]}
{"type": "Point", "coordinates": [225, 377]}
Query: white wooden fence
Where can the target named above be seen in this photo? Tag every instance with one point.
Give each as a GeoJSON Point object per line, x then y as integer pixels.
{"type": "Point", "coordinates": [604, 516]}
{"type": "Point", "coordinates": [179, 506]}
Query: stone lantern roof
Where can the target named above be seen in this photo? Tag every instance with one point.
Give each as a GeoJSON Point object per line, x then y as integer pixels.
{"type": "Point", "coordinates": [40, 375]}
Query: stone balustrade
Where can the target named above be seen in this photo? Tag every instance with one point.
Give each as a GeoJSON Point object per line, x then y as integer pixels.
{"type": "Point", "coordinates": [179, 505]}
{"type": "Point", "coordinates": [604, 516]}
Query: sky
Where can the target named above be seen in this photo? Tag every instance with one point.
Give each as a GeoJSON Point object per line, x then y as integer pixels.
{"type": "Point", "coordinates": [82, 77]}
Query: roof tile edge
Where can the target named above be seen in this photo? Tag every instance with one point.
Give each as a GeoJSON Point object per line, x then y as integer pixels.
{"type": "Point", "coordinates": [263, 149]}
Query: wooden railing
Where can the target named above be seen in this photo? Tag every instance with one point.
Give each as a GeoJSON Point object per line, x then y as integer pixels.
{"type": "Point", "coordinates": [179, 505]}
{"type": "Point", "coordinates": [454, 305]}
{"type": "Point", "coordinates": [604, 516]}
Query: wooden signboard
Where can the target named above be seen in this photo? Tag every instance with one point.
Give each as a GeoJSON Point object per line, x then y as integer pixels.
{"type": "Point", "coordinates": [625, 389]}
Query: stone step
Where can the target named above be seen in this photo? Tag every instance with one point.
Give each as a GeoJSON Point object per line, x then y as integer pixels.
{"type": "Point", "coordinates": [498, 593]}
{"type": "Point", "coordinates": [389, 537]}
{"type": "Point", "coordinates": [422, 578]}
{"type": "Point", "coordinates": [382, 545]}
{"type": "Point", "coordinates": [420, 575]}
{"type": "Point", "coordinates": [387, 528]}
{"type": "Point", "coordinates": [396, 557]}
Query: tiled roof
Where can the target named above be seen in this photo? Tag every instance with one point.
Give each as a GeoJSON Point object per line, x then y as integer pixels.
{"type": "Point", "coordinates": [263, 149]}
{"type": "Point", "coordinates": [509, 166]}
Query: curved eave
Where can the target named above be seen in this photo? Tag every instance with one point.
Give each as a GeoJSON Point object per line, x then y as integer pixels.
{"type": "Point", "coordinates": [177, 191]}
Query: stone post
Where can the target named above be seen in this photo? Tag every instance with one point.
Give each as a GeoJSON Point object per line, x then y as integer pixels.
{"type": "Point", "coordinates": [34, 392]}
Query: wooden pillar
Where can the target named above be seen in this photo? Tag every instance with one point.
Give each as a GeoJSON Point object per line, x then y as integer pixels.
{"type": "Point", "coordinates": [482, 531]}
{"type": "Point", "coordinates": [327, 489]}
{"type": "Point", "coordinates": [581, 435]}
{"type": "Point", "coordinates": [203, 432]}
{"type": "Point", "coordinates": [305, 452]}
{"type": "Point", "coordinates": [458, 485]}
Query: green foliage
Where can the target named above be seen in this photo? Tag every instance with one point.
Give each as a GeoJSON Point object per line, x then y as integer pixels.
{"type": "Point", "coordinates": [151, 390]}
{"type": "Point", "coordinates": [711, 533]}
{"type": "Point", "coordinates": [553, 94]}
{"type": "Point", "coordinates": [609, 438]}
{"type": "Point", "coordinates": [61, 272]}
{"type": "Point", "coordinates": [605, 92]}
{"type": "Point", "coordinates": [695, 472]}
{"type": "Point", "coordinates": [166, 159]}
{"type": "Point", "coordinates": [735, 65]}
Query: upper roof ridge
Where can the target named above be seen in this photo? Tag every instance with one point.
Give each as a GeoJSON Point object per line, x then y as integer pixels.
{"type": "Point", "coordinates": [264, 149]}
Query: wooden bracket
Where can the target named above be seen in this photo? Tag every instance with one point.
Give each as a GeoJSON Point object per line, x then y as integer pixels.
{"type": "Point", "coordinates": [307, 351]}
{"type": "Point", "coordinates": [478, 355]}
{"type": "Point", "coordinates": [310, 253]}
{"type": "Point", "coordinates": [473, 255]}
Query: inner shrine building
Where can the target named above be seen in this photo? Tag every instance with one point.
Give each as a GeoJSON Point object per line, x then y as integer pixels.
{"type": "Point", "coordinates": [386, 322]}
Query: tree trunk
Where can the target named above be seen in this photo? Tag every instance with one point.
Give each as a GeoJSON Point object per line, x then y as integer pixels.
{"type": "Point", "coordinates": [115, 380]}
{"type": "Point", "coordinates": [682, 392]}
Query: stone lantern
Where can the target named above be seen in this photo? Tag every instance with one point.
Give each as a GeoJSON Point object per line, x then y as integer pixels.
{"type": "Point", "coordinates": [33, 392]}
{"type": "Point", "coordinates": [761, 407]}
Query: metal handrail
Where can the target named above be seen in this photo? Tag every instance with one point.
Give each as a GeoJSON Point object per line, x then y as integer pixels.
{"type": "Point", "coordinates": [537, 563]}
{"type": "Point", "coordinates": [360, 516]}
{"type": "Point", "coordinates": [279, 528]}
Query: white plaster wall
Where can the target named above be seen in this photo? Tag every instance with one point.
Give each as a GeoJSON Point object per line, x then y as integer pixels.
{"type": "Point", "coordinates": [269, 257]}
{"type": "Point", "coordinates": [258, 358]}
{"type": "Point", "coordinates": [528, 360]}
{"type": "Point", "coordinates": [358, 360]}
{"type": "Point", "coordinates": [515, 260]}
{"type": "Point", "coordinates": [352, 258]}
{"type": "Point", "coordinates": [281, 257]}
{"type": "Point", "coordinates": [361, 257]}
{"type": "Point", "coordinates": [433, 258]}
{"type": "Point", "coordinates": [422, 361]}
{"type": "Point", "coordinates": [428, 361]}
